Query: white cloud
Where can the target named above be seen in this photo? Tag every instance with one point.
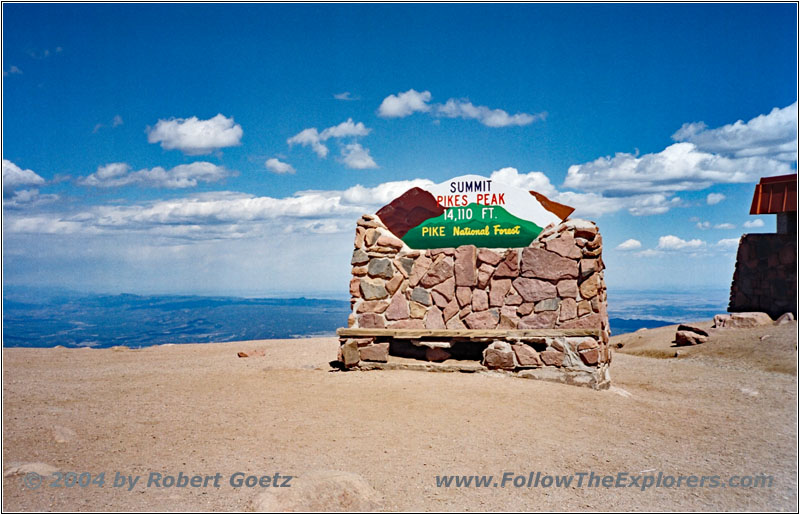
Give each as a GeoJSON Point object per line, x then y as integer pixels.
{"type": "Point", "coordinates": [536, 181]}
{"type": "Point", "coordinates": [649, 253]}
{"type": "Point", "coordinates": [115, 122]}
{"type": "Point", "coordinates": [751, 224]}
{"type": "Point", "coordinates": [195, 137]}
{"type": "Point", "coordinates": [412, 101]}
{"type": "Point", "coordinates": [772, 135]}
{"type": "Point", "coordinates": [490, 117]}
{"type": "Point", "coordinates": [714, 198]}
{"type": "Point", "coordinates": [277, 166]}
{"type": "Point", "coordinates": [655, 204]}
{"type": "Point", "coordinates": [357, 157]}
{"type": "Point", "coordinates": [309, 137]}
{"type": "Point", "coordinates": [671, 242]}
{"type": "Point", "coordinates": [704, 225]}
{"type": "Point", "coordinates": [737, 153]}
{"type": "Point", "coordinates": [679, 167]}
{"type": "Point", "coordinates": [344, 129]}
{"type": "Point", "coordinates": [585, 204]}
{"type": "Point", "coordinates": [12, 71]}
{"type": "Point", "coordinates": [381, 194]}
{"type": "Point", "coordinates": [220, 215]}
{"type": "Point", "coordinates": [15, 177]}
{"type": "Point", "coordinates": [313, 138]}
{"type": "Point", "coordinates": [182, 176]}
{"type": "Point", "coordinates": [27, 199]}
{"type": "Point", "coordinates": [344, 96]}
{"type": "Point", "coordinates": [728, 243]}
{"type": "Point", "coordinates": [405, 104]}
{"type": "Point", "coordinates": [630, 244]}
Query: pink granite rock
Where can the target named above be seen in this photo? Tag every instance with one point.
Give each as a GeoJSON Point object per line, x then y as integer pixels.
{"type": "Point", "coordinates": [484, 274]}
{"type": "Point", "coordinates": [498, 290]}
{"type": "Point", "coordinates": [569, 310]}
{"type": "Point", "coordinates": [433, 319]}
{"type": "Point", "coordinates": [508, 321]}
{"type": "Point", "coordinates": [590, 356]}
{"type": "Point", "coordinates": [372, 306]}
{"type": "Point", "coordinates": [509, 267]}
{"type": "Point", "coordinates": [543, 264]}
{"type": "Point", "coordinates": [568, 288]}
{"type": "Point", "coordinates": [543, 320]}
{"type": "Point", "coordinates": [534, 290]}
{"type": "Point", "coordinates": [413, 323]}
{"type": "Point", "coordinates": [689, 338]}
{"type": "Point", "coordinates": [355, 287]}
{"type": "Point", "coordinates": [525, 308]}
{"type": "Point", "coordinates": [464, 296]}
{"type": "Point", "coordinates": [371, 237]}
{"type": "Point", "coordinates": [596, 242]}
{"type": "Point", "coordinates": [447, 288]}
{"type": "Point", "coordinates": [592, 321]}
{"type": "Point", "coordinates": [564, 246]}
{"type": "Point", "coordinates": [499, 355]}
{"type": "Point", "coordinates": [359, 241]}
{"type": "Point", "coordinates": [450, 310]}
{"type": "Point", "coordinates": [526, 355]}
{"type": "Point", "coordinates": [441, 270]}
{"type": "Point", "coordinates": [513, 300]}
{"type": "Point", "coordinates": [455, 323]}
{"type": "Point", "coordinates": [389, 241]}
{"type": "Point", "coordinates": [375, 352]}
{"type": "Point", "coordinates": [350, 354]}
{"type": "Point", "coordinates": [588, 267]}
{"type": "Point", "coordinates": [398, 309]}
{"type": "Point", "coordinates": [438, 299]}
{"type": "Point", "coordinates": [421, 265]}
{"type": "Point", "coordinates": [489, 256]}
{"type": "Point", "coordinates": [465, 272]}
{"type": "Point", "coordinates": [480, 300]}
{"type": "Point", "coordinates": [552, 358]}
{"type": "Point", "coordinates": [482, 320]}
{"type": "Point", "coordinates": [394, 284]}
{"type": "Point", "coordinates": [590, 286]}
{"type": "Point", "coordinates": [371, 321]}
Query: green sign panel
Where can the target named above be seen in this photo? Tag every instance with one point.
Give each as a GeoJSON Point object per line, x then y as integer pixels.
{"type": "Point", "coordinates": [483, 226]}
{"type": "Point", "coordinates": [470, 210]}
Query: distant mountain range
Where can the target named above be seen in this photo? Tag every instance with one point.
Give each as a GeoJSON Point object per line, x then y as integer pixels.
{"type": "Point", "coordinates": [138, 321]}
{"type": "Point", "coordinates": [46, 318]}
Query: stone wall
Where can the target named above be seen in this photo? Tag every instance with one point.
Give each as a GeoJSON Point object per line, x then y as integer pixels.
{"type": "Point", "coordinates": [765, 277]}
{"type": "Point", "coordinates": [555, 283]}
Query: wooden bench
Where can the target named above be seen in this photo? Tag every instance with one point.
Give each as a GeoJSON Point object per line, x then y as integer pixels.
{"type": "Point", "coordinates": [476, 334]}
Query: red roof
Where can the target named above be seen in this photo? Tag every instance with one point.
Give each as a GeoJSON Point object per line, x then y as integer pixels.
{"type": "Point", "coordinates": [775, 195]}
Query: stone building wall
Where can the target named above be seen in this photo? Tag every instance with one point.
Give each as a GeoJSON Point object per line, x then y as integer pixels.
{"type": "Point", "coordinates": [555, 283]}
{"type": "Point", "coordinates": [765, 277]}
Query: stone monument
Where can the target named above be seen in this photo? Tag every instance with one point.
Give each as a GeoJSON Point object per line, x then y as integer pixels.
{"type": "Point", "coordinates": [471, 274]}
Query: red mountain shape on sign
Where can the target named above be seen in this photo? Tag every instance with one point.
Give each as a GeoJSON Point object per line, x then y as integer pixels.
{"type": "Point", "coordinates": [409, 210]}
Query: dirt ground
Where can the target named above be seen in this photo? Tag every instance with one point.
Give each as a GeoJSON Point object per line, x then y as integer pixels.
{"type": "Point", "coordinates": [727, 407]}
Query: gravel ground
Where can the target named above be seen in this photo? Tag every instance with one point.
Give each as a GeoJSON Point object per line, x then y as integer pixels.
{"type": "Point", "coordinates": [727, 407]}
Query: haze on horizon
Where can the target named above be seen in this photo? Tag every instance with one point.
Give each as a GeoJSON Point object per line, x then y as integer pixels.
{"type": "Point", "coordinates": [229, 149]}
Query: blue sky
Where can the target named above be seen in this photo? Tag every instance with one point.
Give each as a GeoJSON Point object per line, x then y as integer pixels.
{"type": "Point", "coordinates": [229, 149]}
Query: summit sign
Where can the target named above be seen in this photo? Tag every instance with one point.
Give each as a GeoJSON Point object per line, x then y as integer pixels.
{"type": "Point", "coordinates": [471, 210]}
